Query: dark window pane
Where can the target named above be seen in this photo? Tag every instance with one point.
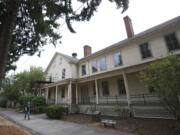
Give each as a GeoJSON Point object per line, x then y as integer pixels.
{"type": "Point", "coordinates": [63, 73]}
{"type": "Point", "coordinates": [145, 50]}
{"type": "Point", "coordinates": [103, 64]}
{"type": "Point", "coordinates": [83, 68]}
{"type": "Point", "coordinates": [117, 59]}
{"type": "Point", "coordinates": [63, 92]}
{"type": "Point", "coordinates": [105, 88]}
{"type": "Point", "coordinates": [172, 42]}
{"type": "Point", "coordinates": [94, 66]}
{"type": "Point", "coordinates": [121, 87]}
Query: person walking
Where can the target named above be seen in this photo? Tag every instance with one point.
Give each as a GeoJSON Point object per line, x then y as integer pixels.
{"type": "Point", "coordinates": [27, 110]}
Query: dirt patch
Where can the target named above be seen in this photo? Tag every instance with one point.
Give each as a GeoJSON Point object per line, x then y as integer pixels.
{"type": "Point", "coordinates": [137, 126]}
{"type": "Point", "coordinates": [8, 128]}
{"type": "Point", "coordinates": [11, 130]}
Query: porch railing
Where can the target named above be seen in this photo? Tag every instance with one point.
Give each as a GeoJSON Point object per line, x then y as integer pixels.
{"type": "Point", "coordinates": [103, 100]}
{"type": "Point", "coordinates": [50, 101]}
{"type": "Point", "coordinates": [136, 99]}
{"type": "Point", "coordinates": [122, 100]}
{"type": "Point", "coordinates": [145, 99]}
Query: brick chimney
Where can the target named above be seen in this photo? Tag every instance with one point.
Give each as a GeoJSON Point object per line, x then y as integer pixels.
{"type": "Point", "coordinates": [129, 27]}
{"type": "Point", "coordinates": [87, 50]}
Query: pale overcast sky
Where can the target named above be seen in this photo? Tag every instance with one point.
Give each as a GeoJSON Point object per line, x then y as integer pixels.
{"type": "Point", "coordinates": [105, 28]}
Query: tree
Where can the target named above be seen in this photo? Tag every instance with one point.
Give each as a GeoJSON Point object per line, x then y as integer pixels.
{"type": "Point", "coordinates": [27, 80]}
{"type": "Point", "coordinates": [164, 77]}
{"type": "Point", "coordinates": [11, 91]}
{"type": "Point", "coordinates": [27, 25]}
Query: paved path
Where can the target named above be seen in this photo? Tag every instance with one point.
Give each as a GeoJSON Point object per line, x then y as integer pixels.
{"type": "Point", "coordinates": [41, 125]}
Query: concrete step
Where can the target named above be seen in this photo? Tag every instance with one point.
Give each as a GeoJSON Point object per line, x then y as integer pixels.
{"type": "Point", "coordinates": [152, 112]}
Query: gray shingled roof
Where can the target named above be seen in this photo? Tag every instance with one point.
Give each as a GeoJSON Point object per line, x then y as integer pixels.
{"type": "Point", "coordinates": [69, 57]}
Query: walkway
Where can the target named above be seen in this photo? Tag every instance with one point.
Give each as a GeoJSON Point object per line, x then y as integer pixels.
{"type": "Point", "coordinates": [40, 125]}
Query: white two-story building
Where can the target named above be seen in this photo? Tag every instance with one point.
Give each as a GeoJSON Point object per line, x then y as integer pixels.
{"type": "Point", "coordinates": [111, 76]}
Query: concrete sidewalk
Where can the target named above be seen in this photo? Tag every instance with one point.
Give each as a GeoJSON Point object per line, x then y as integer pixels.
{"type": "Point", "coordinates": [41, 125]}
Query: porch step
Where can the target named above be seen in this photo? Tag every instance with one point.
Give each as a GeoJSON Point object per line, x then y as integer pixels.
{"type": "Point", "coordinates": [152, 112]}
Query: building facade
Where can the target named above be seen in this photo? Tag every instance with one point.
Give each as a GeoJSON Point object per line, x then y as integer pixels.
{"type": "Point", "coordinates": [111, 76]}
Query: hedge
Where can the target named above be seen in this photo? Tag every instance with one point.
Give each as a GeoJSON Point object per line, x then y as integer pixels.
{"type": "Point", "coordinates": [55, 112]}
{"type": "Point", "coordinates": [38, 101]}
{"type": "Point", "coordinates": [38, 109]}
{"type": "Point", "coordinates": [3, 102]}
{"type": "Point", "coordinates": [24, 99]}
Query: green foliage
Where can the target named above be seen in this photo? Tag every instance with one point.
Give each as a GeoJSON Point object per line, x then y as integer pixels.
{"type": "Point", "coordinates": [38, 109]}
{"type": "Point", "coordinates": [164, 77]}
{"type": "Point", "coordinates": [24, 99]}
{"type": "Point", "coordinates": [3, 102]}
{"type": "Point", "coordinates": [27, 80]}
{"type": "Point", "coordinates": [36, 22]}
{"type": "Point", "coordinates": [121, 112]}
{"type": "Point", "coordinates": [38, 101]}
{"type": "Point", "coordinates": [55, 112]}
{"type": "Point", "coordinates": [11, 91]}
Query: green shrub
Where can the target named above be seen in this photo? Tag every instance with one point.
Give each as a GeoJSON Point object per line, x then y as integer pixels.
{"type": "Point", "coordinates": [55, 111]}
{"type": "Point", "coordinates": [38, 109]}
{"type": "Point", "coordinates": [24, 99]}
{"type": "Point", "coordinates": [3, 102]}
{"type": "Point", "coordinates": [38, 101]}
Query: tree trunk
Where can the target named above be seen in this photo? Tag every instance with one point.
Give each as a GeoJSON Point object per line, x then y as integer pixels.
{"type": "Point", "coordinates": [6, 35]}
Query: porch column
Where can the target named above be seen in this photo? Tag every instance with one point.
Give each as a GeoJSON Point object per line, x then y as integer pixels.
{"type": "Point", "coordinates": [127, 89]}
{"type": "Point", "coordinates": [47, 92]}
{"type": "Point", "coordinates": [97, 93]}
{"type": "Point", "coordinates": [76, 93]}
{"type": "Point", "coordinates": [56, 95]}
{"type": "Point", "coordinates": [70, 93]}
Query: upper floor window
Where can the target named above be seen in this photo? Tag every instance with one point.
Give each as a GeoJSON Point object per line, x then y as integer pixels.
{"type": "Point", "coordinates": [172, 42]}
{"type": "Point", "coordinates": [54, 64]}
{"type": "Point", "coordinates": [117, 59]}
{"type": "Point", "coordinates": [103, 63]}
{"type": "Point", "coordinates": [63, 73]}
{"type": "Point", "coordinates": [145, 50]}
{"type": "Point", "coordinates": [105, 88]}
{"type": "Point", "coordinates": [121, 87]}
{"type": "Point", "coordinates": [94, 66]}
{"type": "Point", "coordinates": [83, 69]}
{"type": "Point", "coordinates": [60, 61]}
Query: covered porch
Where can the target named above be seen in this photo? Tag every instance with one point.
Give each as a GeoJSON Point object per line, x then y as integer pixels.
{"type": "Point", "coordinates": [119, 87]}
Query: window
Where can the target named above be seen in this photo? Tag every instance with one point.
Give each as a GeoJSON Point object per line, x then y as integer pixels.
{"type": "Point", "coordinates": [172, 42]}
{"type": "Point", "coordinates": [54, 64]}
{"type": "Point", "coordinates": [83, 68]}
{"type": "Point", "coordinates": [94, 89]}
{"type": "Point", "coordinates": [60, 61]}
{"type": "Point", "coordinates": [63, 73]}
{"type": "Point", "coordinates": [105, 88]}
{"type": "Point", "coordinates": [117, 59]}
{"type": "Point", "coordinates": [121, 87]}
{"type": "Point", "coordinates": [103, 64]}
{"type": "Point", "coordinates": [145, 50]}
{"type": "Point", "coordinates": [94, 66]}
{"type": "Point", "coordinates": [62, 92]}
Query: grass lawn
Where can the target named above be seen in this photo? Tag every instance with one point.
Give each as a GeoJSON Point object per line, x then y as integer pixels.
{"type": "Point", "coordinates": [131, 125]}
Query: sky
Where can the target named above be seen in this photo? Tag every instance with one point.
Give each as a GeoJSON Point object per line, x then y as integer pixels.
{"type": "Point", "coordinates": [105, 28]}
